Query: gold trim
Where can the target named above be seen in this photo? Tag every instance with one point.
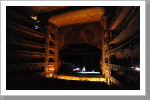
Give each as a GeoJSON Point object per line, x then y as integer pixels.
{"type": "Point", "coordinates": [78, 16]}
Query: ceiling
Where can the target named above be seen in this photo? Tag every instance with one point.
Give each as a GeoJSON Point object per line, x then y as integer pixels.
{"type": "Point", "coordinates": [94, 14]}
{"type": "Point", "coordinates": [42, 9]}
{"type": "Point", "coordinates": [69, 15]}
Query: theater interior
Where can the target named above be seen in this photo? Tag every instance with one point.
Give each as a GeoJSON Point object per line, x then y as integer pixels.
{"type": "Point", "coordinates": [73, 48]}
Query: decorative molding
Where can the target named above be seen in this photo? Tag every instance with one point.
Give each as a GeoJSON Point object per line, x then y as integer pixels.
{"type": "Point", "coordinates": [78, 16]}
{"type": "Point", "coordinates": [104, 22]}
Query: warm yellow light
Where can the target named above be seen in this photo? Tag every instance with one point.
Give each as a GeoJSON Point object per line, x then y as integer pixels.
{"type": "Point", "coordinates": [34, 17]}
{"type": "Point", "coordinates": [51, 68]}
{"type": "Point", "coordinates": [50, 75]}
{"type": "Point", "coordinates": [80, 78]}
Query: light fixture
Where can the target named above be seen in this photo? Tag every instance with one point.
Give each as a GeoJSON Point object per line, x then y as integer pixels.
{"type": "Point", "coordinates": [38, 21]}
{"type": "Point", "coordinates": [36, 27]}
{"type": "Point", "coordinates": [34, 17]}
{"type": "Point", "coordinates": [137, 68]}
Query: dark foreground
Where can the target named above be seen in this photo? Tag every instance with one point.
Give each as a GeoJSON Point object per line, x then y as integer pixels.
{"type": "Point", "coordinates": [55, 84]}
{"type": "Point", "coordinates": [36, 82]}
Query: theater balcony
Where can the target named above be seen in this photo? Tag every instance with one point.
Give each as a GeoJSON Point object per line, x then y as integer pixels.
{"type": "Point", "coordinates": [72, 48]}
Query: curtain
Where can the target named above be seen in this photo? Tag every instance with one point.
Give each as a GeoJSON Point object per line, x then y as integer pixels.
{"type": "Point", "coordinates": [69, 37]}
{"type": "Point", "coordinates": [81, 34]}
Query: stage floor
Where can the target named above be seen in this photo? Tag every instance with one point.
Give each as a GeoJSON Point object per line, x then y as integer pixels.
{"type": "Point", "coordinates": [81, 77]}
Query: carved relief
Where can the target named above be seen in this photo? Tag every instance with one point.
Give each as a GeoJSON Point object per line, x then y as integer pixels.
{"type": "Point", "coordinates": [104, 23]}
{"type": "Point", "coordinates": [78, 16]}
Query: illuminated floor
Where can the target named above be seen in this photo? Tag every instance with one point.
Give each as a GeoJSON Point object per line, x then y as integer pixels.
{"type": "Point", "coordinates": [98, 78]}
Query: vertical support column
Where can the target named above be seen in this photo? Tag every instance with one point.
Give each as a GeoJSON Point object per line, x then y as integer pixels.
{"type": "Point", "coordinates": [103, 51]}
{"type": "Point", "coordinates": [109, 54]}
{"type": "Point", "coordinates": [103, 24]}
{"type": "Point", "coordinates": [56, 50]}
{"type": "Point", "coordinates": [106, 70]}
{"type": "Point", "coordinates": [47, 50]}
{"type": "Point", "coordinates": [51, 67]}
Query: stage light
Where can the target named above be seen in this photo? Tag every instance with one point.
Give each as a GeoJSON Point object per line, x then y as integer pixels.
{"type": "Point", "coordinates": [138, 69]}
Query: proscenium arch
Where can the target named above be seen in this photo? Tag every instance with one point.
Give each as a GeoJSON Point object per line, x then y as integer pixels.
{"type": "Point", "coordinates": [94, 14]}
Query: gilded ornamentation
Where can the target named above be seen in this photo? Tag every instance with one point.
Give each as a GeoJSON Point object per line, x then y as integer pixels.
{"type": "Point", "coordinates": [78, 16]}
{"type": "Point", "coordinates": [83, 15]}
